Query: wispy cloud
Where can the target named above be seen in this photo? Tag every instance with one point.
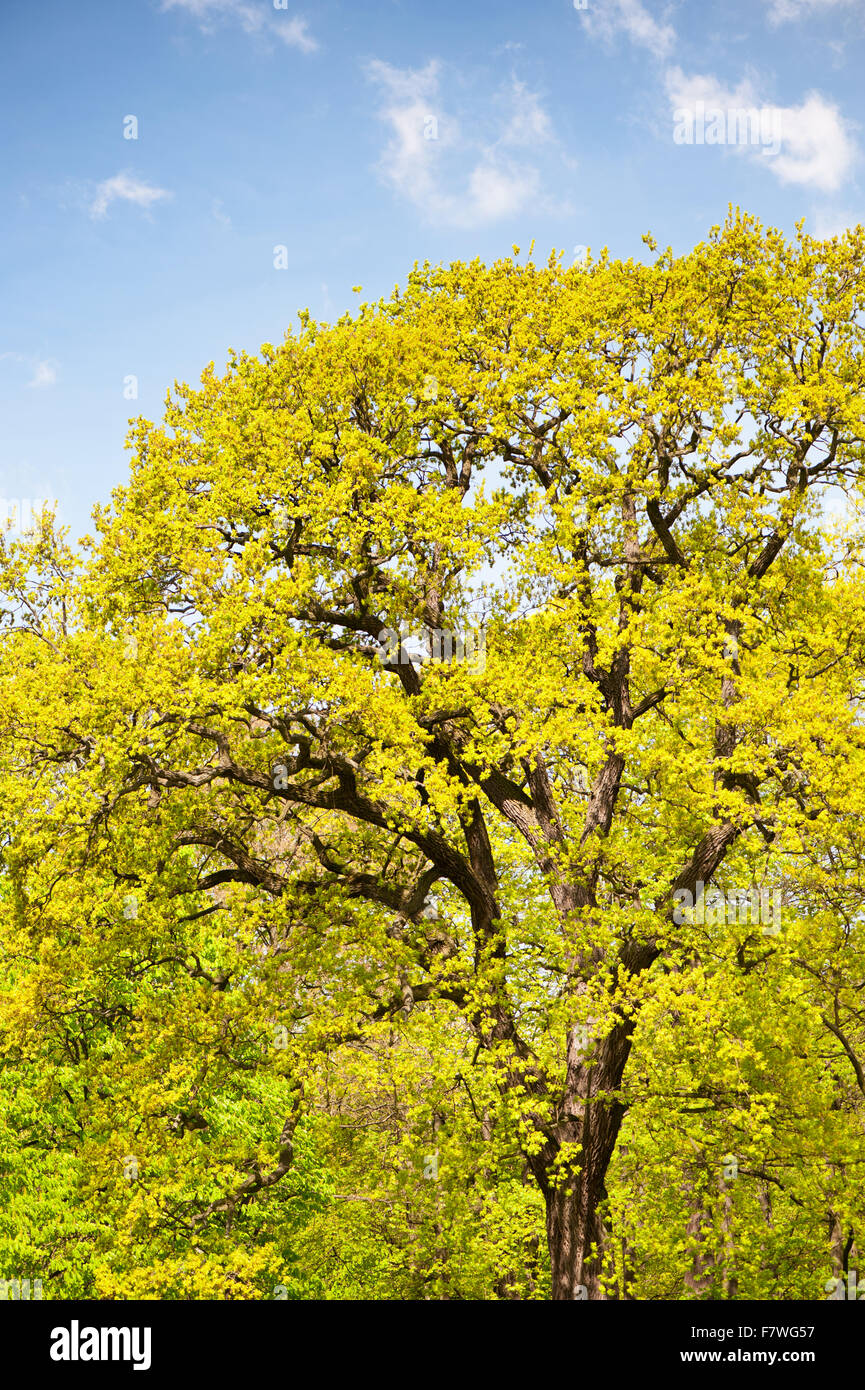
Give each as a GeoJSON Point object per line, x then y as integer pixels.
{"type": "Point", "coordinates": [253, 18]}
{"type": "Point", "coordinates": [421, 160]}
{"type": "Point", "coordinates": [815, 146]}
{"type": "Point", "coordinates": [781, 11]}
{"type": "Point", "coordinates": [44, 373]}
{"type": "Point", "coordinates": [609, 18]}
{"type": "Point", "coordinates": [529, 123]}
{"type": "Point", "coordinates": [829, 222]}
{"type": "Point", "coordinates": [44, 369]}
{"type": "Point", "coordinates": [128, 189]}
{"type": "Point", "coordinates": [218, 213]}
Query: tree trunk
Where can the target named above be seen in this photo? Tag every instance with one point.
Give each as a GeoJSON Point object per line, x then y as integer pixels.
{"type": "Point", "coordinates": [575, 1230]}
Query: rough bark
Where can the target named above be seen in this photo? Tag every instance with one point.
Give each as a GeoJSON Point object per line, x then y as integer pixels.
{"type": "Point", "coordinates": [591, 1118]}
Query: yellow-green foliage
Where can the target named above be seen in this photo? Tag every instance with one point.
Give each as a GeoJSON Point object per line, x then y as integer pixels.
{"type": "Point", "coordinates": [239, 1057]}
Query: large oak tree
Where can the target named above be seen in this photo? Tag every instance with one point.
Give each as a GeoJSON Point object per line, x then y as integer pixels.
{"type": "Point", "coordinates": [611, 483]}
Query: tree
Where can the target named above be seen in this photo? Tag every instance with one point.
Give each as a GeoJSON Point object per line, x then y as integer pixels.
{"type": "Point", "coordinates": [595, 493]}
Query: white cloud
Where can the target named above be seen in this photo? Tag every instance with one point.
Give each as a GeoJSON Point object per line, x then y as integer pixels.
{"type": "Point", "coordinates": [495, 192]}
{"type": "Point", "coordinates": [128, 189]}
{"type": "Point", "coordinates": [817, 148]}
{"type": "Point", "coordinates": [44, 373]}
{"type": "Point", "coordinates": [254, 19]}
{"type": "Point", "coordinates": [782, 10]}
{"type": "Point", "coordinates": [218, 213]}
{"type": "Point", "coordinates": [421, 158]}
{"type": "Point", "coordinates": [814, 144]}
{"type": "Point", "coordinates": [295, 34]}
{"type": "Point", "coordinates": [829, 223]}
{"type": "Point", "coordinates": [44, 369]}
{"type": "Point", "coordinates": [686, 91]}
{"type": "Point", "coordinates": [529, 123]}
{"type": "Point", "coordinates": [608, 18]}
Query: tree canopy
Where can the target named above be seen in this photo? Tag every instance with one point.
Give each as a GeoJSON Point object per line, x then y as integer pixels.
{"type": "Point", "coordinates": [526, 966]}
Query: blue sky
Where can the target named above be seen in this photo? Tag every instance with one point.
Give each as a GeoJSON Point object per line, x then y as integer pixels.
{"type": "Point", "coordinates": [360, 136]}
